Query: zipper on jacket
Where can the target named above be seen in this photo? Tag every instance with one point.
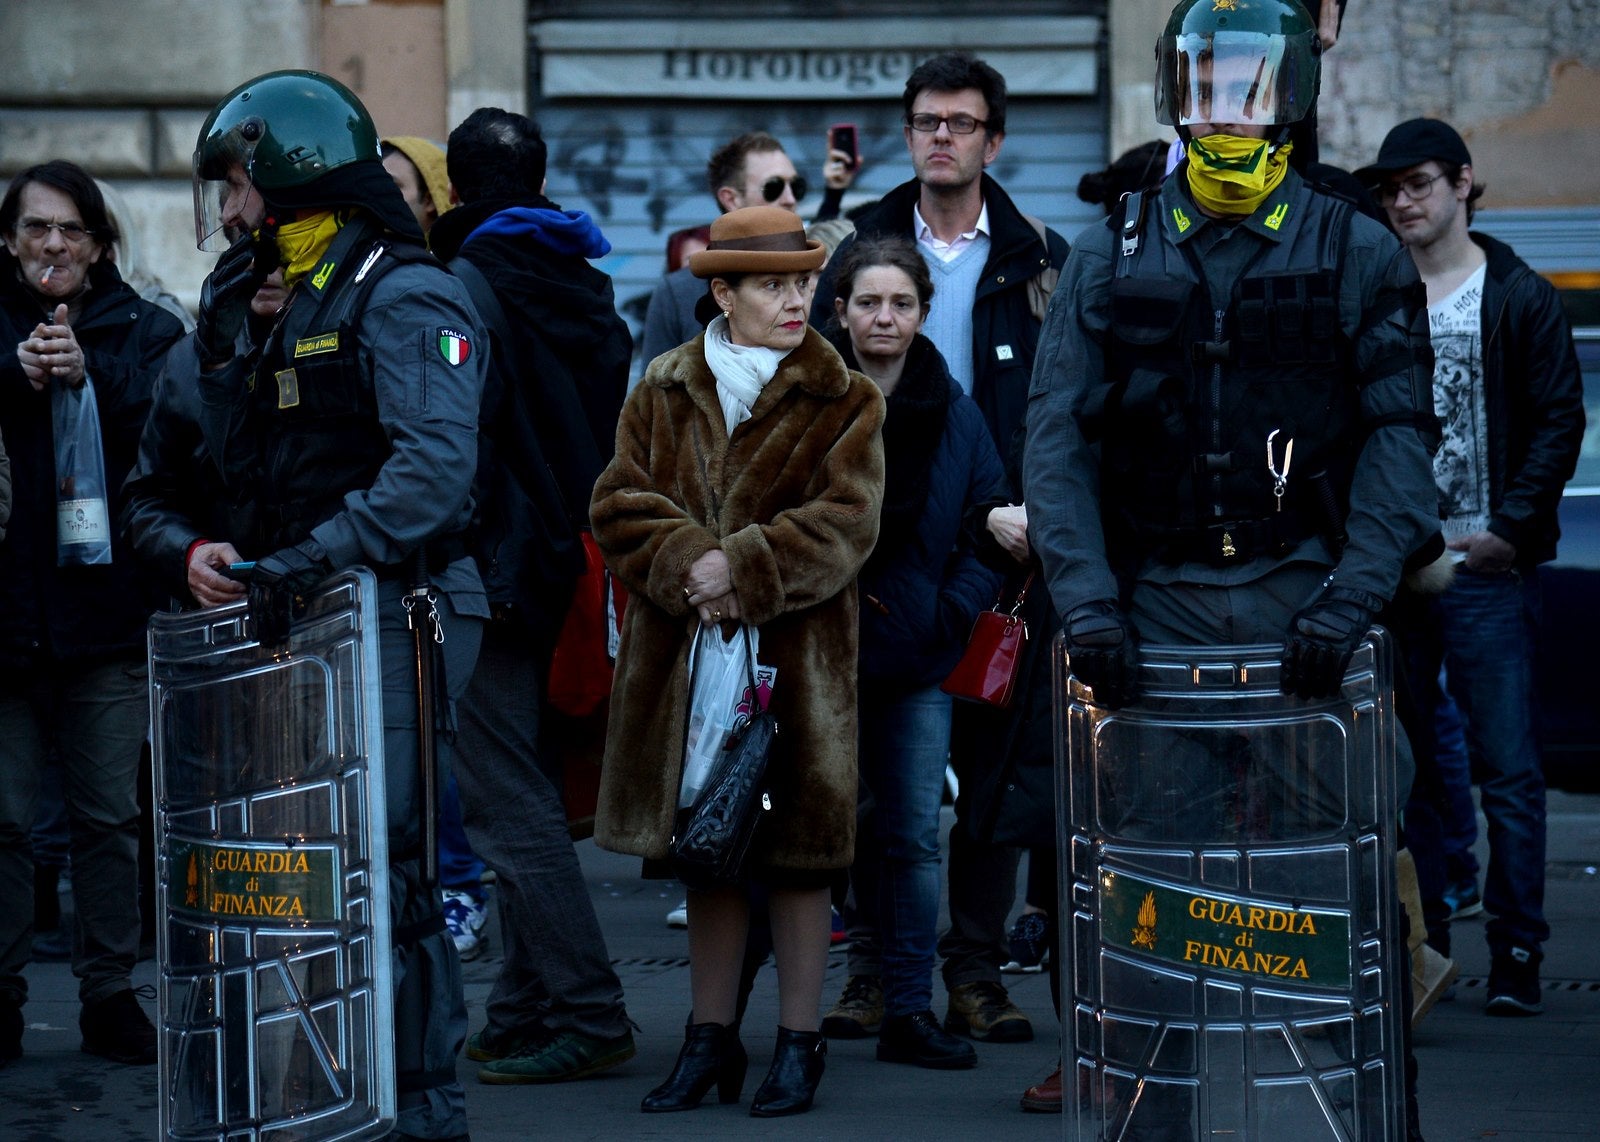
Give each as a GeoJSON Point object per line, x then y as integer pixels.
{"type": "Point", "coordinates": [1216, 414]}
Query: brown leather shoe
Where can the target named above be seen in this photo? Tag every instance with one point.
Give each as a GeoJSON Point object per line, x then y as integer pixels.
{"type": "Point", "coordinates": [1045, 1097]}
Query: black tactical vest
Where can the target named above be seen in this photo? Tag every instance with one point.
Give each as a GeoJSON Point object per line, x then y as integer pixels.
{"type": "Point", "coordinates": [1192, 395]}
{"type": "Point", "coordinates": [314, 405]}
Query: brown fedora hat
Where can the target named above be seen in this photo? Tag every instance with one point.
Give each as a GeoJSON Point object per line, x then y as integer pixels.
{"type": "Point", "coordinates": [755, 240]}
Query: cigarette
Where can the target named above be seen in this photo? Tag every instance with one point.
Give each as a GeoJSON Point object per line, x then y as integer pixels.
{"type": "Point", "coordinates": [44, 278]}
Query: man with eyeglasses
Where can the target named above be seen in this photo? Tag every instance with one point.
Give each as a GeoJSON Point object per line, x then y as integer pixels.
{"type": "Point", "coordinates": [72, 686]}
{"type": "Point", "coordinates": [751, 170]}
{"type": "Point", "coordinates": [993, 268]}
{"type": "Point", "coordinates": [1508, 390]}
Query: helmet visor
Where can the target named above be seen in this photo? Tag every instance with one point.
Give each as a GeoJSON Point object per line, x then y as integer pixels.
{"type": "Point", "coordinates": [221, 179]}
{"type": "Point", "coordinates": [1235, 77]}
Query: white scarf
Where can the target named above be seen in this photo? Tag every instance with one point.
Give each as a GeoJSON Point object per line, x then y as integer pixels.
{"type": "Point", "coordinates": [742, 371]}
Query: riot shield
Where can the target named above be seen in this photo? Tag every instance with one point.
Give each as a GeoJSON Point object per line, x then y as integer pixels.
{"type": "Point", "coordinates": [272, 879]}
{"type": "Point", "coordinates": [1232, 964]}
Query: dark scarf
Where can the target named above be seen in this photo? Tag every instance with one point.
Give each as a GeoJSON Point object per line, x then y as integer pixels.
{"type": "Point", "coordinates": [912, 429]}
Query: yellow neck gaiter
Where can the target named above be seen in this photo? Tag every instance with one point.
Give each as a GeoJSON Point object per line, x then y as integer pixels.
{"type": "Point", "coordinates": [301, 244]}
{"type": "Point", "coordinates": [1230, 175]}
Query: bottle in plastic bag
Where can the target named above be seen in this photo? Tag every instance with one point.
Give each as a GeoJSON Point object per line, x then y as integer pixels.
{"type": "Point", "coordinates": [83, 518]}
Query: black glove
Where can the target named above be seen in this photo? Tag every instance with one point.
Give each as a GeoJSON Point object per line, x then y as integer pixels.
{"type": "Point", "coordinates": [1104, 649]}
{"type": "Point", "coordinates": [225, 301]}
{"type": "Point", "coordinates": [278, 585]}
{"type": "Point", "coordinates": [1322, 637]}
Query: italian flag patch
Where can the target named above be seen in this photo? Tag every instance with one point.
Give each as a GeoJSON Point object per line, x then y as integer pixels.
{"type": "Point", "coordinates": [454, 346]}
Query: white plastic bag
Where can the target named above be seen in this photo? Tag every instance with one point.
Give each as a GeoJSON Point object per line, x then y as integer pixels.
{"type": "Point", "coordinates": [83, 523]}
{"type": "Point", "coordinates": [718, 699]}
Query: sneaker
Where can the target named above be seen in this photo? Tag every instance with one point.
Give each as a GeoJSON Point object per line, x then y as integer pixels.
{"type": "Point", "coordinates": [466, 916]}
{"type": "Point", "coordinates": [484, 1047]}
{"type": "Point", "coordinates": [1463, 900]}
{"type": "Point", "coordinates": [118, 1029]}
{"type": "Point", "coordinates": [918, 1039]}
{"type": "Point", "coordinates": [1514, 983]}
{"type": "Point", "coordinates": [859, 1012]}
{"type": "Point", "coordinates": [558, 1058]}
{"type": "Point", "coordinates": [1030, 944]}
{"type": "Point", "coordinates": [1044, 1097]}
{"type": "Point", "coordinates": [983, 1011]}
{"type": "Point", "coordinates": [10, 1033]}
{"type": "Point", "coordinates": [679, 916]}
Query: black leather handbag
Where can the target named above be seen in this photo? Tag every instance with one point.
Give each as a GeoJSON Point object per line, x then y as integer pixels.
{"type": "Point", "coordinates": [711, 845]}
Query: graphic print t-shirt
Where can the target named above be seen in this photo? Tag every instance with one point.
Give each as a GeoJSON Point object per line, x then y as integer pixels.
{"type": "Point", "coordinates": [1461, 469]}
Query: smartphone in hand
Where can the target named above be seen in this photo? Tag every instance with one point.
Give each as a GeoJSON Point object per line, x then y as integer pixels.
{"type": "Point", "coordinates": [842, 137]}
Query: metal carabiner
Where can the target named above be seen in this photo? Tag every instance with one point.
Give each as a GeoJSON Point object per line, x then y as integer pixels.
{"type": "Point", "coordinates": [1279, 479]}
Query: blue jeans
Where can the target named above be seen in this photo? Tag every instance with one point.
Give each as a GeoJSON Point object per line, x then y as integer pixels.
{"type": "Point", "coordinates": [905, 745]}
{"type": "Point", "coordinates": [460, 869]}
{"type": "Point", "coordinates": [1460, 824]}
{"type": "Point", "coordinates": [1483, 630]}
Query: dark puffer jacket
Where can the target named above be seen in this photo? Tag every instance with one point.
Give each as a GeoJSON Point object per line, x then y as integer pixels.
{"type": "Point", "coordinates": [551, 401]}
{"type": "Point", "coordinates": [923, 585]}
{"type": "Point", "coordinates": [54, 614]}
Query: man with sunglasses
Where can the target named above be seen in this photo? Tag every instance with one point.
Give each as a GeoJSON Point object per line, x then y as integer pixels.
{"type": "Point", "coordinates": [751, 170]}
{"type": "Point", "coordinates": [1509, 394]}
{"type": "Point", "coordinates": [993, 268]}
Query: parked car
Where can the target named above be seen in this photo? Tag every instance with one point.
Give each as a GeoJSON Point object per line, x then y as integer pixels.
{"type": "Point", "coordinates": [1569, 634]}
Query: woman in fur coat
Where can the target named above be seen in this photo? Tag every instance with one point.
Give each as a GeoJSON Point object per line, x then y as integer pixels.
{"type": "Point", "coordinates": [746, 487]}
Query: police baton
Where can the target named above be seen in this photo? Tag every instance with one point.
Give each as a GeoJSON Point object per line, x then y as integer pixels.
{"type": "Point", "coordinates": [422, 617]}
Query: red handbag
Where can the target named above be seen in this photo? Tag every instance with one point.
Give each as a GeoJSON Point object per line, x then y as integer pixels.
{"type": "Point", "coordinates": [581, 668]}
{"type": "Point", "coordinates": [988, 669]}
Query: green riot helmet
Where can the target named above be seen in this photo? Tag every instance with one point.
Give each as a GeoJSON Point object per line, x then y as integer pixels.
{"type": "Point", "coordinates": [283, 130]}
{"type": "Point", "coordinates": [1237, 61]}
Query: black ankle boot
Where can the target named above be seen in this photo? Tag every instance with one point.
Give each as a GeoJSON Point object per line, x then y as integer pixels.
{"type": "Point", "coordinates": [791, 1084]}
{"type": "Point", "coordinates": [712, 1054]}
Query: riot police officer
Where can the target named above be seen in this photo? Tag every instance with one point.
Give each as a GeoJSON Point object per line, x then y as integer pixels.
{"type": "Point", "coordinates": [352, 432]}
{"type": "Point", "coordinates": [1230, 421]}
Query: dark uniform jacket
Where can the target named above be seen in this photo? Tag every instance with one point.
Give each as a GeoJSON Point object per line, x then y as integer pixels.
{"type": "Point", "coordinates": [1393, 503]}
{"type": "Point", "coordinates": [1002, 313]}
{"type": "Point", "coordinates": [1533, 389]}
{"type": "Point", "coordinates": [360, 437]}
{"type": "Point", "coordinates": [56, 613]}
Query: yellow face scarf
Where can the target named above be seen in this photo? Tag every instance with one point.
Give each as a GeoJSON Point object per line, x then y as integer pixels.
{"type": "Point", "coordinates": [301, 244]}
{"type": "Point", "coordinates": [1233, 176]}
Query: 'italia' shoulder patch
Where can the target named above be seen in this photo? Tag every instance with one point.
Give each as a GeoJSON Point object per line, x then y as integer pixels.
{"type": "Point", "coordinates": [454, 346]}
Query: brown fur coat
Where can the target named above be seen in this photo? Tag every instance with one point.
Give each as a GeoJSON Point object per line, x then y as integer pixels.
{"type": "Point", "coordinates": [793, 499]}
